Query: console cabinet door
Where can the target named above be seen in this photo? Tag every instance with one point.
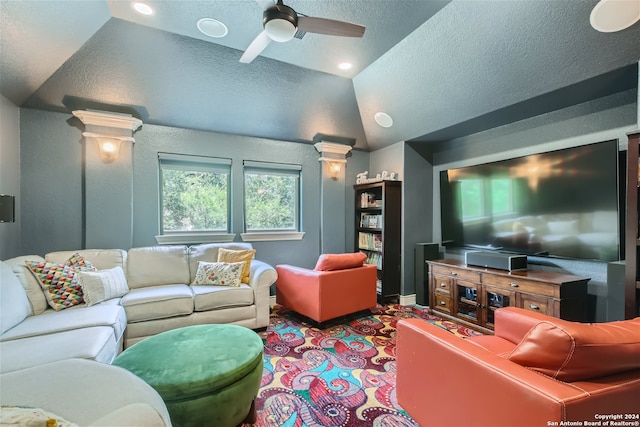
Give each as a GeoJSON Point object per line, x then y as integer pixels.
{"type": "Point", "coordinates": [494, 298]}
{"type": "Point", "coordinates": [467, 301]}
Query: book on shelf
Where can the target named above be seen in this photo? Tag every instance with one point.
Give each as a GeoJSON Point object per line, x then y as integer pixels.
{"type": "Point", "coordinates": [379, 286]}
{"type": "Point", "coordinates": [370, 241]}
{"type": "Point", "coordinates": [374, 258]}
{"type": "Point", "coordinates": [370, 220]}
{"type": "Point", "coordinates": [368, 200]}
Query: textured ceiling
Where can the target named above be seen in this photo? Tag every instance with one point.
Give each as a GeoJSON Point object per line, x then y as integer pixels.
{"type": "Point", "coordinates": [441, 69]}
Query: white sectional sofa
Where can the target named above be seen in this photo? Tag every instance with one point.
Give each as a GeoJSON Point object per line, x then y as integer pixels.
{"type": "Point", "coordinates": [159, 298]}
{"type": "Point", "coordinates": [49, 359]}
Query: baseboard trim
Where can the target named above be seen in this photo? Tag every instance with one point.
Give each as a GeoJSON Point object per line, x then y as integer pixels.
{"type": "Point", "coordinates": [408, 299]}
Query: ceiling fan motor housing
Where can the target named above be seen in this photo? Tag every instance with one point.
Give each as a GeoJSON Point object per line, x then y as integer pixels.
{"type": "Point", "coordinates": [280, 22]}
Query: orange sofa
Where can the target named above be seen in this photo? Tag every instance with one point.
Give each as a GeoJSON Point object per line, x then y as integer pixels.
{"type": "Point", "coordinates": [534, 371]}
{"type": "Point", "coordinates": [332, 289]}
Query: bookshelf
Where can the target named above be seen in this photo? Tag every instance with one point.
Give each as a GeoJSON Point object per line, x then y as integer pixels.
{"type": "Point", "coordinates": [378, 208]}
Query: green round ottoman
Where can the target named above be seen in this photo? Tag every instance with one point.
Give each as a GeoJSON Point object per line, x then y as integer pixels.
{"type": "Point", "coordinates": [207, 375]}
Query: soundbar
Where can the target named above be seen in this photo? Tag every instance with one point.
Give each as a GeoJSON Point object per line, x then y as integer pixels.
{"type": "Point", "coordinates": [497, 260]}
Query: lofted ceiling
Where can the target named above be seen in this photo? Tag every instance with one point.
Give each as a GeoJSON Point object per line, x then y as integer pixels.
{"type": "Point", "coordinates": [441, 69]}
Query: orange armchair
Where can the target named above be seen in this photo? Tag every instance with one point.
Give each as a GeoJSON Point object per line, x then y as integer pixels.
{"type": "Point", "coordinates": [321, 294]}
{"type": "Point", "coordinates": [535, 371]}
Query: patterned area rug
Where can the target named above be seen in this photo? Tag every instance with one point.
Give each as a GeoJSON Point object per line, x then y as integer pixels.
{"type": "Point", "coordinates": [342, 375]}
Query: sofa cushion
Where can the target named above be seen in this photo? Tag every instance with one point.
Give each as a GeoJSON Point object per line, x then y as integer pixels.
{"type": "Point", "coordinates": [158, 302]}
{"type": "Point", "coordinates": [157, 265]}
{"type": "Point", "coordinates": [98, 286]}
{"type": "Point", "coordinates": [219, 273]}
{"type": "Point", "coordinates": [208, 252]}
{"type": "Point", "coordinates": [246, 255]}
{"type": "Point", "coordinates": [100, 258]}
{"type": "Point", "coordinates": [51, 322]}
{"type": "Point", "coordinates": [572, 351]}
{"type": "Point", "coordinates": [59, 283]}
{"type": "Point", "coordinates": [14, 304]}
{"type": "Point", "coordinates": [330, 262]}
{"type": "Point", "coordinates": [97, 343]}
{"type": "Point", "coordinates": [217, 297]}
{"type": "Point", "coordinates": [29, 282]}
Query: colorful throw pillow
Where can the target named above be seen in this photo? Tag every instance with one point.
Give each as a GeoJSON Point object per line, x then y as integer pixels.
{"type": "Point", "coordinates": [80, 262]}
{"type": "Point", "coordinates": [330, 262]}
{"type": "Point", "coordinates": [98, 286]}
{"type": "Point", "coordinates": [573, 351]}
{"type": "Point", "coordinates": [219, 273]}
{"type": "Point", "coordinates": [59, 281]}
{"type": "Point", "coordinates": [230, 256]}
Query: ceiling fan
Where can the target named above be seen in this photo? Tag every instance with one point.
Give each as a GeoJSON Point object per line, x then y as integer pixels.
{"type": "Point", "coordinates": [282, 22]}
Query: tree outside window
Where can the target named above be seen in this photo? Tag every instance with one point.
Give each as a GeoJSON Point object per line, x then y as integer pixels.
{"type": "Point", "coordinates": [194, 194]}
{"type": "Point", "coordinates": [272, 197]}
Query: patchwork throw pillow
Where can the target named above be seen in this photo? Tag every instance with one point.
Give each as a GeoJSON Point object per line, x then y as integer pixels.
{"type": "Point", "coordinates": [231, 256]}
{"type": "Point", "coordinates": [59, 281]}
{"type": "Point", "coordinates": [80, 262]}
{"type": "Point", "coordinates": [98, 286]}
{"type": "Point", "coordinates": [219, 273]}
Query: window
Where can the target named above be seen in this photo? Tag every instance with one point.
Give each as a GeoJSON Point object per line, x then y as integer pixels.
{"type": "Point", "coordinates": [271, 198]}
{"type": "Point", "coordinates": [194, 196]}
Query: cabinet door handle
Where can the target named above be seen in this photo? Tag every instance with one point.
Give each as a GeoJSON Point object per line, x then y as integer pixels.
{"type": "Point", "coordinates": [453, 273]}
{"type": "Point", "coordinates": [514, 285]}
{"type": "Point", "coordinates": [534, 307]}
{"type": "Point", "coordinates": [443, 303]}
{"type": "Point", "coordinates": [443, 285]}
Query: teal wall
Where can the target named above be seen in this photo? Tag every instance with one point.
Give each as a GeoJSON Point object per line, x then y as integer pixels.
{"type": "Point", "coordinates": [10, 174]}
{"type": "Point", "coordinates": [57, 187]}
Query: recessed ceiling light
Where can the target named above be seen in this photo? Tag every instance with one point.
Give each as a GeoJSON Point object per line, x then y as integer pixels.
{"type": "Point", "coordinates": [383, 119]}
{"type": "Point", "coordinates": [212, 27]}
{"type": "Point", "coordinates": [345, 66]}
{"type": "Point", "coordinates": [614, 15]}
{"type": "Point", "coordinates": [142, 8]}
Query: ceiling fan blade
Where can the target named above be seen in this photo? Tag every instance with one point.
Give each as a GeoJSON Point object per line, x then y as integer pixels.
{"type": "Point", "coordinates": [265, 4]}
{"type": "Point", "coordinates": [329, 27]}
{"type": "Point", "coordinates": [255, 48]}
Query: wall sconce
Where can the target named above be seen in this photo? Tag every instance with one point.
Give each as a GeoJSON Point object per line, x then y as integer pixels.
{"type": "Point", "coordinates": [7, 208]}
{"type": "Point", "coordinates": [109, 146]}
{"type": "Point", "coordinates": [334, 170]}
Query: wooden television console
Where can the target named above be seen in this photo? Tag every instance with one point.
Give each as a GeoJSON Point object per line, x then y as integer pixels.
{"type": "Point", "coordinates": [470, 295]}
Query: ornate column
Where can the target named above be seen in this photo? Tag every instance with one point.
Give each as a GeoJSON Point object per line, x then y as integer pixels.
{"type": "Point", "coordinates": [332, 196]}
{"type": "Point", "coordinates": [108, 178]}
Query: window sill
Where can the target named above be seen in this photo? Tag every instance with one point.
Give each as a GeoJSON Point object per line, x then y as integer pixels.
{"type": "Point", "coordinates": [189, 238]}
{"type": "Point", "coordinates": [266, 236]}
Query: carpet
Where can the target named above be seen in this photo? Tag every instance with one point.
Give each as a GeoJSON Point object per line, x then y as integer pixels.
{"type": "Point", "coordinates": [341, 375]}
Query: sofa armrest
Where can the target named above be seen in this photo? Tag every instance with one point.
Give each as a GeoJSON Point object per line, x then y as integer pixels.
{"type": "Point", "coordinates": [445, 380]}
{"type": "Point", "coordinates": [261, 274]}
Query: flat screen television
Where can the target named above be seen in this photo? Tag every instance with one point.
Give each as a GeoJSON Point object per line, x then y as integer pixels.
{"type": "Point", "coordinates": [561, 203]}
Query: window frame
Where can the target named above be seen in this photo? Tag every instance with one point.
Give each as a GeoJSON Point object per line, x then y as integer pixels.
{"type": "Point", "coordinates": [193, 163]}
{"type": "Point", "coordinates": [273, 169]}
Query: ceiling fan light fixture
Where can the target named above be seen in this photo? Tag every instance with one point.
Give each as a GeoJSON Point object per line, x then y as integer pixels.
{"type": "Point", "coordinates": [280, 23]}
{"type": "Point", "coordinates": [609, 16]}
